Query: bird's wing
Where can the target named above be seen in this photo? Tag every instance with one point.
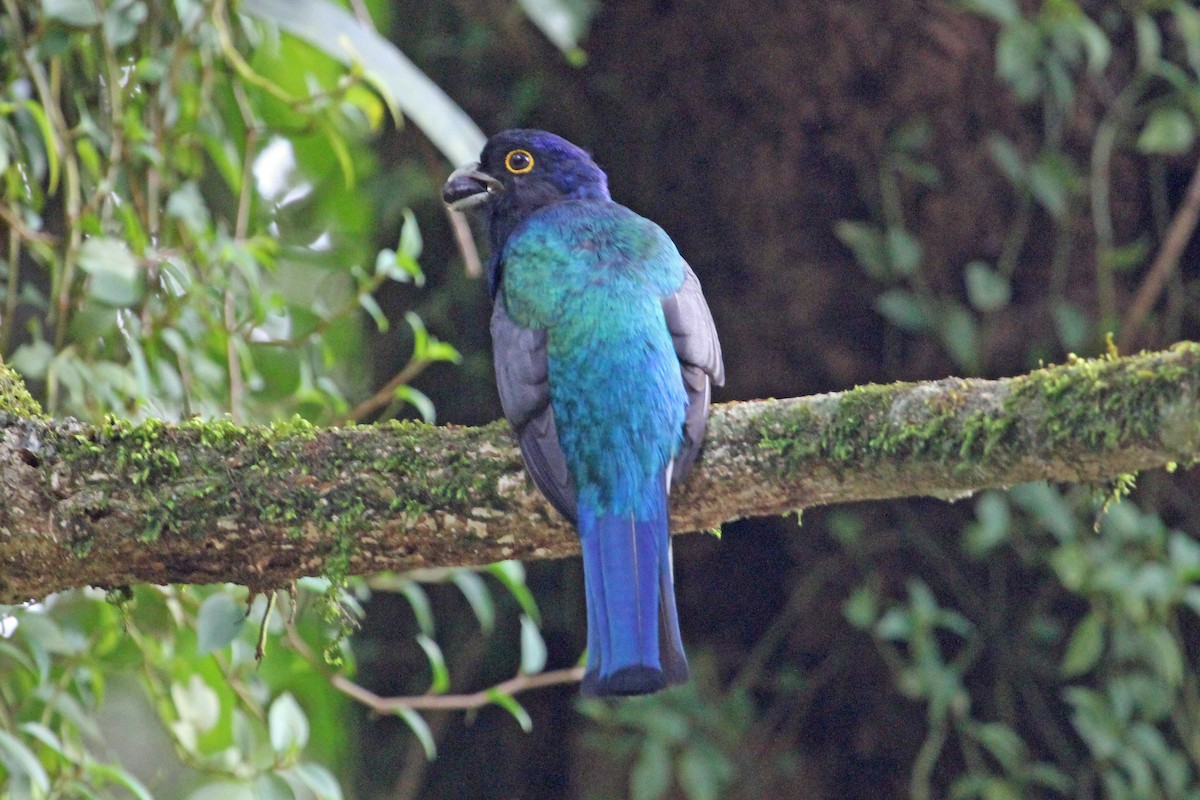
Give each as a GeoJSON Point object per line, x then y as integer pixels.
{"type": "Point", "coordinates": [522, 379]}
{"type": "Point", "coordinates": [699, 352]}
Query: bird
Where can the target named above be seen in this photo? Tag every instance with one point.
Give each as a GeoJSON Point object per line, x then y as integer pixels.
{"type": "Point", "coordinates": [605, 355]}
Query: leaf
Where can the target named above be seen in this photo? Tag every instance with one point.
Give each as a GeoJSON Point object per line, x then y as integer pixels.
{"type": "Point", "coordinates": [371, 306]}
{"type": "Point", "coordinates": [49, 142]}
{"type": "Point", "coordinates": [336, 31]}
{"type": "Point", "coordinates": [476, 592]}
{"type": "Point", "coordinates": [420, 728]}
{"type": "Point", "coordinates": [218, 623]}
{"type": "Point", "coordinates": [1085, 646]}
{"type": "Point", "coordinates": [118, 775]}
{"type": "Point", "coordinates": [440, 683]}
{"type": "Point", "coordinates": [533, 647]}
{"type": "Point", "coordinates": [410, 236]}
{"type": "Point", "coordinates": [224, 790]}
{"type": "Point", "coordinates": [77, 13]}
{"type": "Point", "coordinates": [905, 310]}
{"type": "Point", "coordinates": [287, 725]}
{"type": "Point", "coordinates": [115, 277]}
{"type": "Point", "coordinates": [904, 251]}
{"type": "Point", "coordinates": [319, 780]}
{"type": "Point", "coordinates": [698, 775]}
{"type": "Point", "coordinates": [510, 704]}
{"type": "Point", "coordinates": [868, 246]}
{"type": "Point", "coordinates": [651, 775]}
{"type": "Point", "coordinates": [563, 23]}
{"type": "Point", "coordinates": [512, 575]}
{"type": "Point", "coordinates": [1168, 131]}
{"type": "Point", "coordinates": [960, 335]}
{"type": "Point", "coordinates": [418, 400]}
{"type": "Point", "coordinates": [1073, 326]}
{"type": "Point", "coordinates": [861, 608]}
{"type": "Point", "coordinates": [1003, 11]}
{"type": "Point", "coordinates": [196, 703]}
{"type": "Point", "coordinates": [987, 289]}
{"type": "Point", "coordinates": [422, 608]}
{"type": "Point", "coordinates": [22, 764]}
{"type": "Point", "coordinates": [271, 786]}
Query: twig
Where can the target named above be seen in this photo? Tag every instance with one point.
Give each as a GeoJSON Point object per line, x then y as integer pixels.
{"type": "Point", "coordinates": [433, 702]}
{"type": "Point", "coordinates": [1165, 263]}
{"type": "Point", "coordinates": [384, 396]}
{"type": "Point", "coordinates": [455, 702]}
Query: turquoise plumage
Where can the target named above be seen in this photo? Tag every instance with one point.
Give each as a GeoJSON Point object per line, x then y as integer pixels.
{"type": "Point", "coordinates": [605, 351]}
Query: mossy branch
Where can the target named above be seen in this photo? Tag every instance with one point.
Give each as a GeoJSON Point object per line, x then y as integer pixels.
{"type": "Point", "coordinates": [206, 501]}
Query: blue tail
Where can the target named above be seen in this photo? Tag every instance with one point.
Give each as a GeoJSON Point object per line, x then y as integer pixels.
{"type": "Point", "coordinates": [634, 645]}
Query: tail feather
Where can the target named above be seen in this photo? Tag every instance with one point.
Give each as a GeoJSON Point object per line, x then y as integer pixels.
{"type": "Point", "coordinates": [634, 646]}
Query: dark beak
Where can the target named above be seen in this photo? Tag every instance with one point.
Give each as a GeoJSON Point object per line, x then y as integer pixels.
{"type": "Point", "coordinates": [467, 187]}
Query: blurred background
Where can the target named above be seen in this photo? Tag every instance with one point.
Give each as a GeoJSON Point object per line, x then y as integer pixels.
{"type": "Point", "coordinates": [203, 215]}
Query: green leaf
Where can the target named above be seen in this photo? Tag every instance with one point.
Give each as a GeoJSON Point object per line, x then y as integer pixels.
{"type": "Point", "coordinates": [1149, 42]}
{"type": "Point", "coordinates": [440, 683]}
{"type": "Point", "coordinates": [422, 608]}
{"type": "Point", "coordinates": [700, 773]}
{"type": "Point", "coordinates": [116, 774]}
{"type": "Point", "coordinates": [1085, 646]}
{"type": "Point", "coordinates": [121, 21]}
{"type": "Point", "coordinates": [562, 22]}
{"type": "Point", "coordinates": [510, 704]}
{"type": "Point", "coordinates": [416, 723]}
{"type": "Point", "coordinates": [187, 205]}
{"type": "Point", "coordinates": [1002, 742]}
{"type": "Point", "coordinates": [959, 333]}
{"type": "Point", "coordinates": [115, 277]}
{"type": "Point", "coordinates": [287, 725]}
{"type": "Point", "coordinates": [861, 609]}
{"type": "Point", "coordinates": [1168, 131]}
{"type": "Point", "coordinates": [905, 310]}
{"type": "Point", "coordinates": [475, 590]}
{"type": "Point", "coordinates": [987, 289]}
{"type": "Point", "coordinates": [993, 523]}
{"type": "Point", "coordinates": [77, 13]}
{"type": "Point", "coordinates": [218, 623]}
{"type": "Point", "coordinates": [511, 575]}
{"type": "Point", "coordinates": [868, 246]}
{"type": "Point", "coordinates": [410, 236]}
{"type": "Point", "coordinates": [1003, 11]}
{"type": "Point", "coordinates": [651, 775]}
{"type": "Point", "coordinates": [224, 790]}
{"type": "Point", "coordinates": [370, 305]}
{"type": "Point", "coordinates": [405, 88]}
{"type": "Point", "coordinates": [49, 138]}
{"type": "Point", "coordinates": [418, 400]}
{"type": "Point", "coordinates": [1073, 326]}
{"type": "Point", "coordinates": [533, 647]}
{"type": "Point", "coordinates": [196, 703]}
{"type": "Point", "coordinates": [904, 251]}
{"type": "Point", "coordinates": [319, 781]}
{"type": "Point", "coordinates": [23, 766]}
{"type": "Point", "coordinates": [1006, 156]}
{"type": "Point", "coordinates": [271, 786]}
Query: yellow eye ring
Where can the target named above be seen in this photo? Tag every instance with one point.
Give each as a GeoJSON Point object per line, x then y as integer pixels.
{"type": "Point", "coordinates": [518, 162]}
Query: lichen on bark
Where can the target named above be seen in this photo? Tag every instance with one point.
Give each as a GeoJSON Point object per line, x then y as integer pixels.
{"type": "Point", "coordinates": [210, 500]}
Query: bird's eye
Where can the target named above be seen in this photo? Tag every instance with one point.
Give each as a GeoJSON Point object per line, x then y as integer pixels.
{"type": "Point", "coordinates": [518, 162]}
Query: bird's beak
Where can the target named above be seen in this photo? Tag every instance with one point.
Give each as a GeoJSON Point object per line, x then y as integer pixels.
{"type": "Point", "coordinates": [467, 187]}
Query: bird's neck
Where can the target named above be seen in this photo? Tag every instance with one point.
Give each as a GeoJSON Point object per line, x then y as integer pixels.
{"type": "Point", "coordinates": [508, 211]}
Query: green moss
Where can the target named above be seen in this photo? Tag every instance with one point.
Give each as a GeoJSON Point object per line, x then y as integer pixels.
{"type": "Point", "coordinates": [1100, 403]}
{"type": "Point", "coordinates": [15, 399]}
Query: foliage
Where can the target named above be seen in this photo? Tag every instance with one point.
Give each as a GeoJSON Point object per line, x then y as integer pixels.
{"type": "Point", "coordinates": [189, 218]}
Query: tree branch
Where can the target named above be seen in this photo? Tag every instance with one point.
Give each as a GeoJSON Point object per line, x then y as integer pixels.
{"type": "Point", "coordinates": [205, 501]}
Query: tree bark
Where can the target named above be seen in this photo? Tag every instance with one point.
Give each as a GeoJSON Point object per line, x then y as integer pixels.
{"type": "Point", "coordinates": [205, 501]}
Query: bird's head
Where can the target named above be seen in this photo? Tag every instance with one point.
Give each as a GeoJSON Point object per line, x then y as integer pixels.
{"type": "Point", "coordinates": [519, 172]}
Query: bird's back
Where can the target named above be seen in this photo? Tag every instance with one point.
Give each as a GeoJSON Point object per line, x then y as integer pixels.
{"type": "Point", "coordinates": [593, 274]}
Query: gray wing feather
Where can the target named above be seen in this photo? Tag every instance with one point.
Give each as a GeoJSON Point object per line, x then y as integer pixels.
{"type": "Point", "coordinates": [523, 382]}
{"type": "Point", "coordinates": [699, 352]}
